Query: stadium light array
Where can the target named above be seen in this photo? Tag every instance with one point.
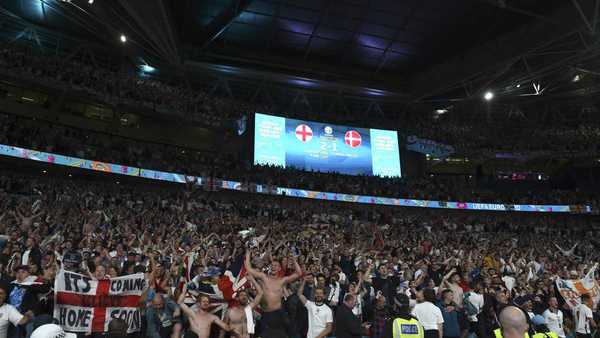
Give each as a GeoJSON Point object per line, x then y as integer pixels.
{"type": "Point", "coordinates": [488, 96]}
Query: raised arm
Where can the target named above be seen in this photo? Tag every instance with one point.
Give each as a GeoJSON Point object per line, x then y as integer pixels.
{"type": "Point", "coordinates": [297, 274]}
{"type": "Point", "coordinates": [365, 276]}
{"type": "Point", "coordinates": [300, 292]}
{"type": "Point", "coordinates": [259, 292]}
{"type": "Point", "coordinates": [227, 321]}
{"type": "Point", "coordinates": [184, 308]}
{"type": "Point", "coordinates": [224, 326]}
{"type": "Point", "coordinates": [255, 273]}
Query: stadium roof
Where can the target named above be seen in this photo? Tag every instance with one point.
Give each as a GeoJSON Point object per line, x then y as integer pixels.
{"type": "Point", "coordinates": [418, 49]}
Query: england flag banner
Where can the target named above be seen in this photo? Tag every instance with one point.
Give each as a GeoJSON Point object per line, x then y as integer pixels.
{"type": "Point", "coordinates": [572, 289]}
{"type": "Point", "coordinates": [85, 305]}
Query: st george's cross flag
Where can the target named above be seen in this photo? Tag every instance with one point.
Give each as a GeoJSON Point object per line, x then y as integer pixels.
{"type": "Point", "coordinates": [85, 305]}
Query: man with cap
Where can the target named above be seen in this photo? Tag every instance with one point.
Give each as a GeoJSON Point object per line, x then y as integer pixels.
{"type": "Point", "coordinates": [23, 293]}
{"type": "Point", "coordinates": [541, 328]}
{"type": "Point", "coordinates": [403, 324]}
{"type": "Point", "coordinates": [9, 314]}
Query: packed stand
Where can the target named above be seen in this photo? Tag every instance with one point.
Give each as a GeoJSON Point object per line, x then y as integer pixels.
{"type": "Point", "coordinates": [54, 138]}
{"type": "Point", "coordinates": [520, 138]}
{"type": "Point", "coordinates": [312, 269]}
{"type": "Point", "coordinates": [119, 87]}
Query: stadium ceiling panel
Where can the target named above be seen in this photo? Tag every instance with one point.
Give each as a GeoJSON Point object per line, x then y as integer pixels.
{"type": "Point", "coordinates": [416, 47]}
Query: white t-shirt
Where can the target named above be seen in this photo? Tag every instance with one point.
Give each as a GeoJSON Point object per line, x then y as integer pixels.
{"type": "Point", "coordinates": [318, 317]}
{"type": "Point", "coordinates": [8, 313]}
{"type": "Point", "coordinates": [509, 282]}
{"type": "Point", "coordinates": [555, 322]}
{"type": "Point", "coordinates": [583, 314]}
{"type": "Point", "coordinates": [458, 294]}
{"type": "Point", "coordinates": [476, 300]}
{"type": "Point", "coordinates": [25, 258]}
{"type": "Point", "coordinates": [428, 315]}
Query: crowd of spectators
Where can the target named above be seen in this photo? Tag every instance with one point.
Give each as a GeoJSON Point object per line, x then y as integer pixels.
{"type": "Point", "coordinates": [120, 87]}
{"type": "Point", "coordinates": [45, 136]}
{"type": "Point", "coordinates": [115, 86]}
{"type": "Point", "coordinates": [343, 270]}
{"type": "Point", "coordinates": [513, 137]}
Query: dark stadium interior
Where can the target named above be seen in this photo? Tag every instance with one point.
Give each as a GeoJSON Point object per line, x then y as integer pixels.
{"type": "Point", "coordinates": [353, 166]}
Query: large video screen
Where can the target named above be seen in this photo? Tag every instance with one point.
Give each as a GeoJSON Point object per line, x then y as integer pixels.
{"type": "Point", "coordinates": [315, 146]}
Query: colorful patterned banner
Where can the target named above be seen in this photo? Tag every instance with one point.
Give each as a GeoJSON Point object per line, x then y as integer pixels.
{"type": "Point", "coordinates": [238, 186]}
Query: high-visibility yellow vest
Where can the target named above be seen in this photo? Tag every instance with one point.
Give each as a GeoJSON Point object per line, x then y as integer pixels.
{"type": "Point", "coordinates": [407, 328]}
{"type": "Point", "coordinates": [548, 334]}
{"type": "Point", "coordinates": [498, 334]}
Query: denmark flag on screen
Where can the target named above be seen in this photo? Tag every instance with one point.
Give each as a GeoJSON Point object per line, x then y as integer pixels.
{"type": "Point", "coordinates": [304, 133]}
{"type": "Point", "coordinates": [352, 138]}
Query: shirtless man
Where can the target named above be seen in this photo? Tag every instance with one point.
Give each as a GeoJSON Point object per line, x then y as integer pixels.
{"type": "Point", "coordinates": [201, 319]}
{"type": "Point", "coordinates": [274, 320]}
{"type": "Point", "coordinates": [238, 316]}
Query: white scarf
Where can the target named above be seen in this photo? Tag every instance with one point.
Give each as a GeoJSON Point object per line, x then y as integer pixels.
{"type": "Point", "coordinates": [249, 319]}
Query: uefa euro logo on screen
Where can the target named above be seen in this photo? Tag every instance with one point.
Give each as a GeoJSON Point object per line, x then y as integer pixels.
{"type": "Point", "coordinates": [304, 133]}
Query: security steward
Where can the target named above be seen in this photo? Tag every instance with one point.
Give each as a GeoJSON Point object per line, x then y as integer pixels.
{"type": "Point", "coordinates": [541, 328]}
{"type": "Point", "coordinates": [403, 324]}
{"type": "Point", "coordinates": [514, 323]}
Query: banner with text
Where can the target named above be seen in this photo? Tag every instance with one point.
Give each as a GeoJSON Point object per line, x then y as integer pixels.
{"type": "Point", "coordinates": [86, 305]}
{"type": "Point", "coordinates": [572, 289]}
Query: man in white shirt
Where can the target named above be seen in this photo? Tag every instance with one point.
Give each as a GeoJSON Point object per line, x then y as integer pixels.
{"type": "Point", "coordinates": [428, 314]}
{"type": "Point", "coordinates": [320, 316]}
{"type": "Point", "coordinates": [554, 318]}
{"type": "Point", "coordinates": [451, 281]}
{"type": "Point", "coordinates": [9, 314]}
{"type": "Point", "coordinates": [584, 318]}
{"type": "Point", "coordinates": [475, 304]}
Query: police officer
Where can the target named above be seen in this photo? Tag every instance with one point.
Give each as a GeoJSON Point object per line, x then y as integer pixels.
{"type": "Point", "coordinates": [403, 324]}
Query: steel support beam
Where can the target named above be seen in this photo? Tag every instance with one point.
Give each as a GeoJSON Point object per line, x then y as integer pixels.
{"type": "Point", "coordinates": [324, 14]}
{"type": "Point", "coordinates": [222, 21]}
{"type": "Point", "coordinates": [583, 16]}
{"type": "Point", "coordinates": [487, 58]}
{"type": "Point", "coordinates": [399, 30]}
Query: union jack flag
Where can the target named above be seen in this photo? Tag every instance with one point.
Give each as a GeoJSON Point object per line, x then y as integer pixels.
{"type": "Point", "coordinates": [222, 294]}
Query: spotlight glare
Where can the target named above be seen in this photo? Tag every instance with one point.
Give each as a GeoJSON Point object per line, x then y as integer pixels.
{"type": "Point", "coordinates": [148, 69]}
{"type": "Point", "coordinates": [123, 38]}
{"type": "Point", "coordinates": [488, 96]}
{"type": "Point", "coordinates": [90, 2]}
{"type": "Point", "coordinates": [519, 85]}
{"type": "Point", "coordinates": [576, 78]}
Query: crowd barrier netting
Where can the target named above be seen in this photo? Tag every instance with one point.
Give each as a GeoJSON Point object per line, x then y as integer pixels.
{"type": "Point", "coordinates": [119, 169]}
